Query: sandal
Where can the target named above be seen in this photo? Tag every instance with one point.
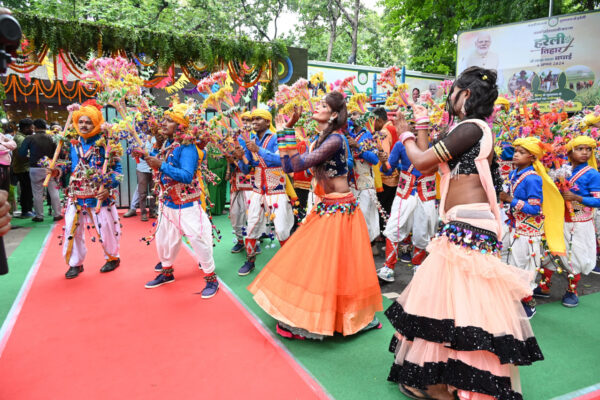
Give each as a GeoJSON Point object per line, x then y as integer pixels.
{"type": "Point", "coordinates": [408, 393]}
{"type": "Point", "coordinates": [281, 331]}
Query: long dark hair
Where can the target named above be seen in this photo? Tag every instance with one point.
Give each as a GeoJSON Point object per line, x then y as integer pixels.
{"type": "Point", "coordinates": [484, 92]}
{"type": "Point", "coordinates": [337, 103]}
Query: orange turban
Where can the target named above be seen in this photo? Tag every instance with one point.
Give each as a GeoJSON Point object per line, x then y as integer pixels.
{"type": "Point", "coordinates": [90, 109]}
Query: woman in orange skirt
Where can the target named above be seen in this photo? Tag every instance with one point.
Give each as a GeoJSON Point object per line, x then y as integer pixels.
{"type": "Point", "coordinates": [461, 331]}
{"type": "Point", "coordinates": [323, 280]}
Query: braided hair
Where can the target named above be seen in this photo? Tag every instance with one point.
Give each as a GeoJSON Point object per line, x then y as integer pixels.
{"type": "Point", "coordinates": [484, 92]}
{"type": "Point", "coordinates": [337, 103]}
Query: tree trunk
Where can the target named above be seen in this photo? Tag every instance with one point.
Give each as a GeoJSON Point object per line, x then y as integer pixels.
{"type": "Point", "coordinates": [354, 24]}
{"type": "Point", "coordinates": [332, 37]}
{"type": "Point", "coordinates": [333, 17]}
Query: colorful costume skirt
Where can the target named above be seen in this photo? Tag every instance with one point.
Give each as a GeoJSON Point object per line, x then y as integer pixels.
{"type": "Point", "coordinates": [323, 280]}
{"type": "Point", "coordinates": [460, 321]}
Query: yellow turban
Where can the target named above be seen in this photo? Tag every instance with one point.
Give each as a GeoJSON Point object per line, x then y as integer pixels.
{"type": "Point", "coordinates": [264, 114]}
{"type": "Point", "coordinates": [503, 101]}
{"type": "Point", "coordinates": [583, 140]}
{"type": "Point", "coordinates": [553, 204]}
{"type": "Point", "coordinates": [92, 112]}
{"type": "Point", "coordinates": [177, 114]}
{"type": "Point", "coordinates": [591, 119]}
{"type": "Point", "coordinates": [247, 115]}
{"type": "Point", "coordinates": [353, 107]}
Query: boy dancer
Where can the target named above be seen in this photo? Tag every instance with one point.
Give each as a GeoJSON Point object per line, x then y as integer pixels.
{"type": "Point", "coordinates": [363, 184]}
{"type": "Point", "coordinates": [268, 187]}
{"type": "Point", "coordinates": [84, 192]}
{"type": "Point", "coordinates": [413, 210]}
{"type": "Point", "coordinates": [241, 186]}
{"type": "Point", "coordinates": [181, 211]}
{"type": "Point", "coordinates": [531, 191]}
{"type": "Point", "coordinates": [579, 225]}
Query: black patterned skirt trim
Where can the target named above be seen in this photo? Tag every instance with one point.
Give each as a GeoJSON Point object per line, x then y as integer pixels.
{"type": "Point", "coordinates": [509, 349]}
{"type": "Point", "coordinates": [454, 373]}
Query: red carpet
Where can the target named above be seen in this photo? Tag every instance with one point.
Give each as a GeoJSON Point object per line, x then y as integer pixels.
{"type": "Point", "coordinates": [104, 336]}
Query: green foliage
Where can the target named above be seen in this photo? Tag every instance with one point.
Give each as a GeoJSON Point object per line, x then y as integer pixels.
{"type": "Point", "coordinates": [81, 37]}
{"type": "Point", "coordinates": [376, 46]}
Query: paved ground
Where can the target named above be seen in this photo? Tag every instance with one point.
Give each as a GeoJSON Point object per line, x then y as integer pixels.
{"type": "Point", "coordinates": [13, 238]}
{"type": "Point", "coordinates": [404, 272]}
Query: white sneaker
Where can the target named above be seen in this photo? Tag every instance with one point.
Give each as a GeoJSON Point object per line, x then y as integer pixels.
{"type": "Point", "coordinates": [386, 274]}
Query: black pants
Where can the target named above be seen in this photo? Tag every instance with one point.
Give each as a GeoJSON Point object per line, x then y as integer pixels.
{"type": "Point", "coordinates": [386, 199]}
{"type": "Point", "coordinates": [26, 199]}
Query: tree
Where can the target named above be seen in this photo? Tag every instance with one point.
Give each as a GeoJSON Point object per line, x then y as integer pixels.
{"type": "Point", "coordinates": [352, 16]}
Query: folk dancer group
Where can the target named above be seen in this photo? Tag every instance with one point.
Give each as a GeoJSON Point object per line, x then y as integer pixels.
{"type": "Point", "coordinates": [479, 269]}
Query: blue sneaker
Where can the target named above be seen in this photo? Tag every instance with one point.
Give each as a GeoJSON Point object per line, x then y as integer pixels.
{"type": "Point", "coordinates": [541, 293]}
{"type": "Point", "coordinates": [239, 246]}
{"type": "Point", "coordinates": [246, 268]}
{"type": "Point", "coordinates": [211, 288]}
{"type": "Point", "coordinates": [405, 258]}
{"type": "Point", "coordinates": [596, 270]}
{"type": "Point", "coordinates": [529, 310]}
{"type": "Point", "coordinates": [158, 267]}
{"type": "Point", "coordinates": [161, 279]}
{"type": "Point", "coordinates": [570, 300]}
{"type": "Point", "coordinates": [257, 249]}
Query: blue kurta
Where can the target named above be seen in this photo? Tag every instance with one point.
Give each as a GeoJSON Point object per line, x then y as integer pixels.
{"type": "Point", "coordinates": [180, 166]}
{"type": "Point", "coordinates": [529, 191]}
{"type": "Point", "coordinates": [587, 186]}
{"type": "Point", "coordinates": [95, 162]}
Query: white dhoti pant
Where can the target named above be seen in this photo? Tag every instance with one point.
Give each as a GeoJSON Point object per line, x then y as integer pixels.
{"type": "Point", "coordinates": [105, 224]}
{"type": "Point", "coordinates": [276, 204]}
{"type": "Point", "coordinates": [518, 251]}
{"type": "Point", "coordinates": [366, 200]}
{"type": "Point", "coordinates": [580, 238]}
{"type": "Point", "coordinates": [412, 215]}
{"type": "Point", "coordinates": [191, 222]}
{"type": "Point", "coordinates": [238, 207]}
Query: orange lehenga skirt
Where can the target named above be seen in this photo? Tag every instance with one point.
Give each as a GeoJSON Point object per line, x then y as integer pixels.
{"type": "Point", "coordinates": [323, 280]}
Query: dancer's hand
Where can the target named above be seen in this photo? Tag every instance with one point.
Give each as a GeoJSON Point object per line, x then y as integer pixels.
{"type": "Point", "coordinates": [53, 172]}
{"type": "Point", "coordinates": [400, 123]}
{"type": "Point", "coordinates": [419, 111]}
{"type": "Point", "coordinates": [295, 117]}
{"type": "Point", "coordinates": [253, 147]}
{"type": "Point", "coordinates": [153, 162]}
{"type": "Point", "coordinates": [570, 196]}
{"type": "Point", "coordinates": [4, 213]}
{"type": "Point", "coordinates": [352, 142]}
{"type": "Point", "coordinates": [238, 152]}
{"type": "Point", "coordinates": [102, 194]}
{"type": "Point", "coordinates": [383, 156]}
{"type": "Point", "coordinates": [505, 197]}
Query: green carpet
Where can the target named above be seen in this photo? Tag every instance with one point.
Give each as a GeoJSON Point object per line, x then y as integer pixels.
{"type": "Point", "coordinates": [357, 367]}
{"type": "Point", "coordinates": [21, 261]}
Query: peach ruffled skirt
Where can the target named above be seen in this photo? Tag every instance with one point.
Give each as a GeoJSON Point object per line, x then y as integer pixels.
{"type": "Point", "coordinates": [460, 322]}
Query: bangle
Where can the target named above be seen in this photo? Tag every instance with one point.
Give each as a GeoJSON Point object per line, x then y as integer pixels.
{"type": "Point", "coordinates": [408, 135]}
{"type": "Point", "coordinates": [423, 120]}
{"type": "Point", "coordinates": [422, 127]}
